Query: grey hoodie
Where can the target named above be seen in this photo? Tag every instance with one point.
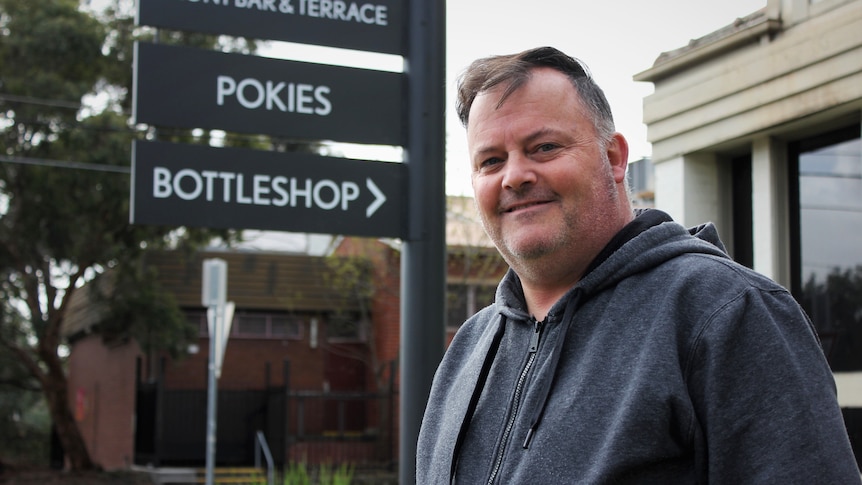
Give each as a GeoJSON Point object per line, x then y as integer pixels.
{"type": "Point", "coordinates": [666, 363]}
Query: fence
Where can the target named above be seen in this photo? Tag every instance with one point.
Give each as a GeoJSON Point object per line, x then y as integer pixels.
{"type": "Point", "coordinates": [312, 427]}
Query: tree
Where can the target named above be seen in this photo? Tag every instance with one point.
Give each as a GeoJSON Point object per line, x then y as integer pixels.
{"type": "Point", "coordinates": [64, 195]}
{"type": "Point", "coordinates": [370, 271]}
{"type": "Point", "coordinates": [834, 302]}
{"type": "Point", "coordinates": [23, 416]}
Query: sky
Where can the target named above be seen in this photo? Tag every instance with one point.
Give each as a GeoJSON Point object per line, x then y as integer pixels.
{"type": "Point", "coordinates": [616, 39]}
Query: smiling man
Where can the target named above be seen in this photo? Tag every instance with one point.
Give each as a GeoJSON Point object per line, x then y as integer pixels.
{"type": "Point", "coordinates": [621, 346]}
{"type": "Point", "coordinates": [550, 187]}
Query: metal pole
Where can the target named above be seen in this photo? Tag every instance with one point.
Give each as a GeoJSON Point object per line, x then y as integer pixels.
{"type": "Point", "coordinates": [212, 394]}
{"type": "Point", "coordinates": [423, 257]}
{"type": "Point", "coordinates": [213, 296]}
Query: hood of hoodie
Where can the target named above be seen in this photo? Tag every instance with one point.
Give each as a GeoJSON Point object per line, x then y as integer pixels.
{"type": "Point", "coordinates": [648, 241]}
{"type": "Point", "coordinates": [622, 257]}
{"type": "Point", "coordinates": [651, 239]}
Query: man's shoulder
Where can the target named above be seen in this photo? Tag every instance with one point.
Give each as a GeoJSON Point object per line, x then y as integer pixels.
{"type": "Point", "coordinates": [713, 269]}
{"type": "Point", "coordinates": [480, 320]}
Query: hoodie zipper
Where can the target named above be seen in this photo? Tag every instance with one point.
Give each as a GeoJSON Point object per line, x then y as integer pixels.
{"type": "Point", "coordinates": [516, 399]}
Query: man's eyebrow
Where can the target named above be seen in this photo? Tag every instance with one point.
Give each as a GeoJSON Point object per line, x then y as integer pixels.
{"type": "Point", "coordinates": [537, 134]}
{"type": "Point", "coordinates": [540, 133]}
{"type": "Point", "coordinates": [483, 150]}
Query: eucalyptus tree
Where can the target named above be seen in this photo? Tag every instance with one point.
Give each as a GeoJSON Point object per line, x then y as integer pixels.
{"type": "Point", "coordinates": [65, 143]}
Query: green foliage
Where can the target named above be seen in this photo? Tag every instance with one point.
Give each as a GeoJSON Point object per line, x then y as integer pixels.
{"type": "Point", "coordinates": [297, 473]}
{"type": "Point", "coordinates": [336, 475]}
{"type": "Point", "coordinates": [24, 420]}
{"type": "Point", "coordinates": [834, 302]}
{"type": "Point", "coordinates": [64, 202]}
{"type": "Point", "coordinates": [351, 275]}
{"type": "Point", "coordinates": [59, 58]}
{"type": "Point", "coordinates": [138, 307]}
{"type": "Point", "coordinates": [64, 194]}
{"type": "Point", "coordinates": [24, 425]}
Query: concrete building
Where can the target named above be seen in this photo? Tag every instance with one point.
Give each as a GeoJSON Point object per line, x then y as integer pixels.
{"type": "Point", "coordinates": [756, 127]}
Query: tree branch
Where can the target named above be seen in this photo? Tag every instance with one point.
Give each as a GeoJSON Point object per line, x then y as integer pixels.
{"type": "Point", "coordinates": [24, 356]}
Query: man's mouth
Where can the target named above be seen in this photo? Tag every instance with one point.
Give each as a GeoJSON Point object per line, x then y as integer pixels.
{"type": "Point", "coordinates": [524, 205]}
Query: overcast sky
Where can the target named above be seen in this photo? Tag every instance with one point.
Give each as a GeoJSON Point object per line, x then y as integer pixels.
{"type": "Point", "coordinates": [615, 38]}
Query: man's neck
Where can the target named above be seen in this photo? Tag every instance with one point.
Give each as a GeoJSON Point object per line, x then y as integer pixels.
{"type": "Point", "coordinates": [540, 298]}
{"type": "Point", "coordinates": [541, 292]}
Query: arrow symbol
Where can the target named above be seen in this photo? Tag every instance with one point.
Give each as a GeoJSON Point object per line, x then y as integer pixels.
{"type": "Point", "coordinates": [378, 200]}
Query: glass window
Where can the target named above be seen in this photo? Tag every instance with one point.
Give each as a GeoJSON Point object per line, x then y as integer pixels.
{"type": "Point", "coordinates": [742, 207]}
{"type": "Point", "coordinates": [463, 300]}
{"type": "Point", "coordinates": [345, 327]}
{"type": "Point", "coordinates": [284, 326]}
{"type": "Point", "coordinates": [456, 305]}
{"type": "Point", "coordinates": [252, 324]}
{"type": "Point", "coordinates": [829, 253]}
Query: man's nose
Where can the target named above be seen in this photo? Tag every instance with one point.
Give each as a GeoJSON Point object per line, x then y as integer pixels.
{"type": "Point", "coordinates": [519, 171]}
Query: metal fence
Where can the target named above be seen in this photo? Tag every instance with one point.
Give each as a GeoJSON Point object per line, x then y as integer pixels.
{"type": "Point", "coordinates": [300, 426]}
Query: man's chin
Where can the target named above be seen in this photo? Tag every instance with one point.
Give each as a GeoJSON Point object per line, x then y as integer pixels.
{"type": "Point", "coordinates": [528, 248]}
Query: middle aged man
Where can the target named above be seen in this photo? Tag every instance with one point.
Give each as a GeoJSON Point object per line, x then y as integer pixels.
{"type": "Point", "coordinates": [622, 347]}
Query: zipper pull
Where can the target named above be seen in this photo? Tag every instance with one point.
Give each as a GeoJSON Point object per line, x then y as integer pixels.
{"type": "Point", "coordinates": [537, 331]}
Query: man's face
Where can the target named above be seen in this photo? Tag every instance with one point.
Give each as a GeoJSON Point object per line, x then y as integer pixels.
{"type": "Point", "coordinates": [546, 190]}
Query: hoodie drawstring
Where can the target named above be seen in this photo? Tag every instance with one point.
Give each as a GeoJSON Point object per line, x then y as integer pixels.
{"type": "Point", "coordinates": [477, 392]}
{"type": "Point", "coordinates": [548, 381]}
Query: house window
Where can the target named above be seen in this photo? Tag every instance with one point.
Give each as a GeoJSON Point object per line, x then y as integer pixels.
{"type": "Point", "coordinates": [266, 325]}
{"type": "Point", "coordinates": [345, 327]}
{"type": "Point", "coordinates": [254, 324]}
{"type": "Point", "coordinates": [463, 300]}
{"type": "Point", "coordinates": [827, 252]}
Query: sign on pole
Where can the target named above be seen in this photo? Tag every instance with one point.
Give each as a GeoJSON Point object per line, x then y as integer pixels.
{"type": "Point", "coordinates": [197, 185]}
{"type": "Point", "coordinates": [368, 26]}
{"type": "Point", "coordinates": [232, 188]}
{"type": "Point", "coordinates": [213, 295]}
{"type": "Point", "coordinates": [196, 88]}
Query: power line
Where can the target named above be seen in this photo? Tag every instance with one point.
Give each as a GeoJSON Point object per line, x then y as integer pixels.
{"type": "Point", "coordinates": [97, 167]}
{"type": "Point", "coordinates": [43, 102]}
{"type": "Point", "coordinates": [228, 138]}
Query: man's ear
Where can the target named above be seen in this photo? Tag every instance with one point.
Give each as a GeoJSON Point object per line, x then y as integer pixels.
{"type": "Point", "coordinates": [618, 156]}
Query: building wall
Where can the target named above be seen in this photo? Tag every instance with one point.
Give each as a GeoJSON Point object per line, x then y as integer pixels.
{"type": "Point", "coordinates": [245, 365]}
{"type": "Point", "coordinates": [265, 281]}
{"type": "Point", "coordinates": [102, 396]}
{"type": "Point", "coordinates": [778, 76]}
{"type": "Point", "coordinates": [386, 302]}
{"type": "Point", "coordinates": [781, 76]}
{"type": "Point", "coordinates": [103, 378]}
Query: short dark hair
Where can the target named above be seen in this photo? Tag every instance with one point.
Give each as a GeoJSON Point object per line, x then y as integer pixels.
{"type": "Point", "coordinates": [516, 69]}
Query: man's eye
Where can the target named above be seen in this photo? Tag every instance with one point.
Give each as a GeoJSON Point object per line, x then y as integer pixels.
{"type": "Point", "coordinates": [546, 147]}
{"type": "Point", "coordinates": [490, 162]}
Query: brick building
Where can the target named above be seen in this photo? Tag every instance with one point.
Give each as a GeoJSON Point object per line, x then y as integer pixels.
{"type": "Point", "coordinates": [311, 360]}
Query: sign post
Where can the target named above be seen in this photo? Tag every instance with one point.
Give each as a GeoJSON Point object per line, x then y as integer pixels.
{"type": "Point", "coordinates": [219, 317]}
{"type": "Point", "coordinates": [228, 188]}
{"type": "Point", "coordinates": [195, 185]}
{"type": "Point", "coordinates": [423, 258]}
{"type": "Point", "coordinates": [197, 88]}
{"type": "Point", "coordinates": [367, 26]}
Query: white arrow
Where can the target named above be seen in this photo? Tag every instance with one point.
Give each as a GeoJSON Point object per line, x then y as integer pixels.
{"type": "Point", "coordinates": [378, 201]}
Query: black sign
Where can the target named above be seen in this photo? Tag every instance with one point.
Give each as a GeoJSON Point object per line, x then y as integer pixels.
{"type": "Point", "coordinates": [197, 88]}
{"type": "Point", "coordinates": [195, 185]}
{"type": "Point", "coordinates": [374, 25]}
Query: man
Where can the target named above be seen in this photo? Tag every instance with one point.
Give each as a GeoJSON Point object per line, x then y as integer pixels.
{"type": "Point", "coordinates": [622, 347]}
